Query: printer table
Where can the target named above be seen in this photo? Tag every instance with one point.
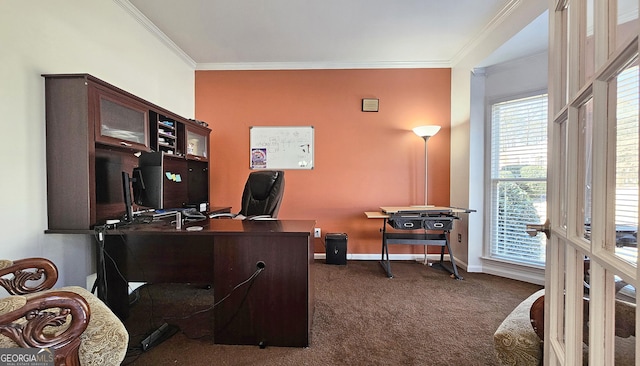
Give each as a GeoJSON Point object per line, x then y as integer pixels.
{"type": "Point", "coordinates": [428, 226]}
{"type": "Point", "coordinates": [431, 238]}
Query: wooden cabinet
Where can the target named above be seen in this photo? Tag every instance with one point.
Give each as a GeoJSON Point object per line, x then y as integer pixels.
{"type": "Point", "coordinates": [167, 140]}
{"type": "Point", "coordinates": [197, 146]}
{"type": "Point", "coordinates": [121, 121]}
{"type": "Point", "coordinates": [94, 133]}
{"type": "Point", "coordinates": [166, 134]}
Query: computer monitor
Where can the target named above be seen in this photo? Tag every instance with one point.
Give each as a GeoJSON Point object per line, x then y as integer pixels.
{"type": "Point", "coordinates": [148, 180]}
{"type": "Point", "coordinates": [126, 191]}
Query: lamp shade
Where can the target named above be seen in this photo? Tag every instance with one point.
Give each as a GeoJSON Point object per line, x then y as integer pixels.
{"type": "Point", "coordinates": [426, 131]}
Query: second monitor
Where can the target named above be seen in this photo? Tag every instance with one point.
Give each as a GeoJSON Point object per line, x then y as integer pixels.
{"type": "Point", "coordinates": [148, 181]}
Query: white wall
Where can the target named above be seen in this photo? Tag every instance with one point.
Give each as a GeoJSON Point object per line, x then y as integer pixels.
{"type": "Point", "coordinates": [467, 137]}
{"type": "Point", "coordinates": [513, 79]}
{"type": "Point", "coordinates": [516, 78]}
{"type": "Point", "coordinates": [98, 37]}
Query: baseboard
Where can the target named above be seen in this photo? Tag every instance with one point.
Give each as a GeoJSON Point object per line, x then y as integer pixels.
{"type": "Point", "coordinates": [393, 257]}
{"type": "Point", "coordinates": [514, 271]}
{"type": "Point", "coordinates": [467, 267]}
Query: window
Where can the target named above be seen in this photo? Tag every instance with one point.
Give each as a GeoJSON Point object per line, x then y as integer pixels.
{"type": "Point", "coordinates": [518, 179]}
{"type": "Point", "coordinates": [624, 88]}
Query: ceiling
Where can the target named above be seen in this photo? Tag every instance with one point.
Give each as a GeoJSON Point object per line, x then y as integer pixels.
{"type": "Point", "coordinates": [231, 34]}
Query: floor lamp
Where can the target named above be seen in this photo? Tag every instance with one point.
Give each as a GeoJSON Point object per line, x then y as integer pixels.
{"type": "Point", "coordinates": [425, 132]}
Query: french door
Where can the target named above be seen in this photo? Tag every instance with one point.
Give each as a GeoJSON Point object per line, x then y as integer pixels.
{"type": "Point", "coordinates": [591, 262]}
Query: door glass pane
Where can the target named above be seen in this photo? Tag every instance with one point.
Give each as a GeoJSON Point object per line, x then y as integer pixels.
{"type": "Point", "coordinates": [623, 90]}
{"type": "Point", "coordinates": [585, 121]}
{"type": "Point", "coordinates": [562, 176]}
{"type": "Point", "coordinates": [563, 52]}
{"type": "Point", "coordinates": [625, 307]}
{"type": "Point", "coordinates": [196, 144]}
{"type": "Point", "coordinates": [624, 318]}
{"type": "Point", "coordinates": [561, 315]}
{"type": "Point", "coordinates": [122, 122]}
{"type": "Point", "coordinates": [627, 26]}
{"type": "Point", "coordinates": [588, 48]}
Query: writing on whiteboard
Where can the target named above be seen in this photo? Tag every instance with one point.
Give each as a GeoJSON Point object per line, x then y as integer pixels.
{"type": "Point", "coordinates": [284, 147]}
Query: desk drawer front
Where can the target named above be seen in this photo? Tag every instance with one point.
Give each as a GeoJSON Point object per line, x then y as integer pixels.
{"type": "Point", "coordinates": [427, 223]}
{"type": "Point", "coordinates": [405, 223]}
{"type": "Point", "coordinates": [437, 224]}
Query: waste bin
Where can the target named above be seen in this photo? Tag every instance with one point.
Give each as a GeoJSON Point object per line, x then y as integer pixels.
{"type": "Point", "coordinates": [336, 248]}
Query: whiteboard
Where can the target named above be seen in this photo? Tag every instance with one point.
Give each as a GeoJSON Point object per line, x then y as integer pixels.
{"type": "Point", "coordinates": [281, 147]}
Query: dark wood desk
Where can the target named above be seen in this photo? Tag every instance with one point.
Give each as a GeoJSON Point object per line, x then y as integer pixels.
{"type": "Point", "coordinates": [275, 309]}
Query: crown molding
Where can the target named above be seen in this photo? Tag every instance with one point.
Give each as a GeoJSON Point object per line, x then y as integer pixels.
{"type": "Point", "coordinates": [142, 19]}
{"type": "Point", "coordinates": [493, 24]}
{"type": "Point", "coordinates": [321, 65]}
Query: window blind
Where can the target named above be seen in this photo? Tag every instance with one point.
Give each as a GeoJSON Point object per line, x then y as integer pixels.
{"type": "Point", "coordinates": [627, 146]}
{"type": "Point", "coordinates": [518, 178]}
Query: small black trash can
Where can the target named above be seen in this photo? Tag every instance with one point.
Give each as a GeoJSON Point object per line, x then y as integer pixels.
{"type": "Point", "coordinates": [336, 248]}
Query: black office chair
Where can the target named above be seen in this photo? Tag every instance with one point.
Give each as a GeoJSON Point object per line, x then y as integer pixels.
{"type": "Point", "coordinates": [261, 197]}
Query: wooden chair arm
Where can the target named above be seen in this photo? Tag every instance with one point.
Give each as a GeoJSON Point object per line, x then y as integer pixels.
{"type": "Point", "coordinates": [29, 275]}
{"type": "Point", "coordinates": [536, 315]}
{"type": "Point", "coordinates": [625, 319]}
{"type": "Point", "coordinates": [33, 325]}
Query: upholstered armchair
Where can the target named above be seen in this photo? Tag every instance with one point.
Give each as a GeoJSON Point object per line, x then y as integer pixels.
{"type": "Point", "coordinates": [518, 340]}
{"type": "Point", "coordinates": [70, 321]}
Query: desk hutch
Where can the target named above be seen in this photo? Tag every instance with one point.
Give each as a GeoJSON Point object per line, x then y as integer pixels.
{"type": "Point", "coordinates": [94, 130]}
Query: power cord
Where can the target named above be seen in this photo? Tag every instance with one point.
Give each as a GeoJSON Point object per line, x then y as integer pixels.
{"type": "Point", "coordinates": [101, 282]}
{"type": "Point", "coordinates": [250, 279]}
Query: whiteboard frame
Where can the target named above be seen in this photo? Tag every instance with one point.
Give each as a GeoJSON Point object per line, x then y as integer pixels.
{"type": "Point", "coordinates": [281, 147]}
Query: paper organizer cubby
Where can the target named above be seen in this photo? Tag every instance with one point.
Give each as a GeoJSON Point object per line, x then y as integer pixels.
{"type": "Point", "coordinates": [94, 132]}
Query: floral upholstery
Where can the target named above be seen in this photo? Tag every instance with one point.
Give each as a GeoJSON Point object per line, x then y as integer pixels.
{"type": "Point", "coordinates": [515, 341]}
{"type": "Point", "coordinates": [105, 340]}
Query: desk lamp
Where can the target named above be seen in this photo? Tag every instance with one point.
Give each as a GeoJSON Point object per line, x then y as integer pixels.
{"type": "Point", "coordinates": [425, 132]}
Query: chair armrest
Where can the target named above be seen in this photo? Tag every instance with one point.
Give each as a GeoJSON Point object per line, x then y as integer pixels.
{"type": "Point", "coordinates": [29, 275]}
{"type": "Point", "coordinates": [221, 215]}
{"type": "Point", "coordinates": [260, 217]}
{"type": "Point", "coordinates": [52, 319]}
{"type": "Point", "coordinates": [515, 340]}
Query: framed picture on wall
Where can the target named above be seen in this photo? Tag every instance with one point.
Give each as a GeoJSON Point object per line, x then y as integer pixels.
{"type": "Point", "coordinates": [370, 104]}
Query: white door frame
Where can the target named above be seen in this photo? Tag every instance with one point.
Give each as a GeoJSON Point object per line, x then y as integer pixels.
{"type": "Point", "coordinates": [569, 92]}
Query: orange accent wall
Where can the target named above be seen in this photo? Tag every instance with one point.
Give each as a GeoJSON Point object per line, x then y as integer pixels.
{"type": "Point", "coordinates": [363, 160]}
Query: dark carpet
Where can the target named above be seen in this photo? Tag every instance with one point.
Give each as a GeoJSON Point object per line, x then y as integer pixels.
{"type": "Point", "coordinates": [419, 317]}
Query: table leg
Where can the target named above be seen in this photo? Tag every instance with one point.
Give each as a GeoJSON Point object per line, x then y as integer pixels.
{"type": "Point", "coordinates": [385, 263]}
{"type": "Point", "coordinates": [454, 269]}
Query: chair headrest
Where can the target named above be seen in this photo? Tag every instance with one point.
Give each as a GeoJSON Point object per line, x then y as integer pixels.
{"type": "Point", "coordinates": [261, 183]}
{"type": "Point", "coordinates": [263, 193]}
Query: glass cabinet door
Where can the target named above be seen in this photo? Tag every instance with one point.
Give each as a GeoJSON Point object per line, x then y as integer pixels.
{"type": "Point", "coordinates": [122, 122]}
{"type": "Point", "coordinates": [196, 143]}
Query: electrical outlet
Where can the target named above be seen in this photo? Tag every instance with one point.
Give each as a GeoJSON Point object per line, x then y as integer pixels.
{"type": "Point", "coordinates": [459, 238]}
{"type": "Point", "coordinates": [317, 232]}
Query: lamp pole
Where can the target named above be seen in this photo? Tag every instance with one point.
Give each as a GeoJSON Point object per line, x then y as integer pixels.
{"type": "Point", "coordinates": [426, 132]}
{"type": "Point", "coordinates": [426, 170]}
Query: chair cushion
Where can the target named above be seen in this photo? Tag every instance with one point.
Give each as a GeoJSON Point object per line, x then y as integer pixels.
{"type": "Point", "coordinates": [4, 263]}
{"type": "Point", "coordinates": [105, 340]}
{"type": "Point", "coordinates": [262, 193]}
{"type": "Point", "coordinates": [515, 341]}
